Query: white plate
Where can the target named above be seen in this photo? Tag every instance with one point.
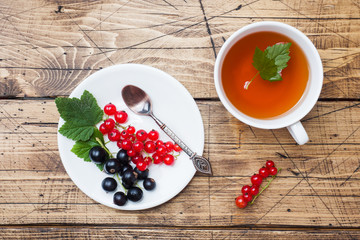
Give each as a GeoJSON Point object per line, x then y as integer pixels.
{"type": "Point", "coordinates": [172, 104]}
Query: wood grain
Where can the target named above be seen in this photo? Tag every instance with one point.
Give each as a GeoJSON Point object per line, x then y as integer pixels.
{"type": "Point", "coordinates": [48, 47]}
{"type": "Point", "coordinates": [47, 52]}
{"type": "Point", "coordinates": [316, 179]}
{"type": "Point", "coordinates": [167, 233]}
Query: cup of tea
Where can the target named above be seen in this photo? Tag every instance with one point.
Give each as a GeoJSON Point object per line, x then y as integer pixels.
{"type": "Point", "coordinates": [263, 103]}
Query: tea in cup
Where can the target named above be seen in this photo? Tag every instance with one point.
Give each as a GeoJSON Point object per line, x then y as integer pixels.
{"type": "Point", "coordinates": [276, 102]}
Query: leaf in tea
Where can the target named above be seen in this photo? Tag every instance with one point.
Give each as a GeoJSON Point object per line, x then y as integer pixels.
{"type": "Point", "coordinates": [271, 62]}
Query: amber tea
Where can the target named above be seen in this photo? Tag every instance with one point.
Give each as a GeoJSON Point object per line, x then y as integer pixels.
{"type": "Point", "coordinates": [263, 99]}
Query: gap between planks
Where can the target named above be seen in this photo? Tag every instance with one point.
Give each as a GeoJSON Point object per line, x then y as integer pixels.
{"type": "Point", "coordinates": [205, 228]}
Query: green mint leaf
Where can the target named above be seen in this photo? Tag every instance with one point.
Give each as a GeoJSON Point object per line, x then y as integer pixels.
{"type": "Point", "coordinates": [80, 116]}
{"type": "Point", "coordinates": [75, 132]}
{"type": "Point", "coordinates": [272, 61]}
{"type": "Point", "coordinates": [100, 166]}
{"type": "Point", "coordinates": [82, 148]}
{"type": "Point", "coordinates": [264, 65]}
{"type": "Point", "coordinates": [277, 77]}
{"type": "Point", "coordinates": [280, 53]}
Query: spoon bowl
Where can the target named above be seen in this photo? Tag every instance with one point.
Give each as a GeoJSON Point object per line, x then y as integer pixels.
{"type": "Point", "coordinates": [137, 100]}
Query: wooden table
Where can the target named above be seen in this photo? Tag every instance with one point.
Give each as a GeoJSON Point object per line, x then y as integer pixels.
{"type": "Point", "coordinates": [49, 47]}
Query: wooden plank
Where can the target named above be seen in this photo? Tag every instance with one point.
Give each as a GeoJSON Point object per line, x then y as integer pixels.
{"type": "Point", "coordinates": [206, 202]}
{"type": "Point", "coordinates": [287, 202]}
{"type": "Point", "coordinates": [48, 52]}
{"type": "Point", "coordinates": [83, 232]}
{"type": "Point", "coordinates": [318, 185]}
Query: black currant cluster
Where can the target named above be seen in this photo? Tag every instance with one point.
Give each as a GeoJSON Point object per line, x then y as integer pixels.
{"type": "Point", "coordinates": [121, 167]}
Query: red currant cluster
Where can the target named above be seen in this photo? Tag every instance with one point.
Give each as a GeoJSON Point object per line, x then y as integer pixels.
{"type": "Point", "coordinates": [137, 142]}
{"type": "Point", "coordinates": [249, 193]}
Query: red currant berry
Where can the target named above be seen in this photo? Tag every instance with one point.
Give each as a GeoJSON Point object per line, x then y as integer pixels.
{"type": "Point", "coordinates": [245, 189]}
{"type": "Point", "coordinates": [114, 135]}
{"type": "Point", "coordinates": [131, 138]}
{"type": "Point", "coordinates": [148, 160]}
{"type": "Point", "coordinates": [169, 146]}
{"type": "Point", "coordinates": [138, 146]}
{"type": "Point", "coordinates": [168, 159]}
{"type": "Point", "coordinates": [157, 158]}
{"type": "Point", "coordinates": [121, 116]}
{"type": "Point", "coordinates": [247, 197]}
{"type": "Point", "coordinates": [264, 172]}
{"type": "Point", "coordinates": [161, 150]}
{"type": "Point", "coordinates": [153, 135]}
{"type": "Point", "coordinates": [254, 190]}
{"type": "Point", "coordinates": [103, 129]}
{"type": "Point", "coordinates": [273, 171]}
{"type": "Point", "coordinates": [177, 148]}
{"type": "Point", "coordinates": [131, 153]}
{"type": "Point", "coordinates": [124, 134]}
{"type": "Point", "coordinates": [126, 144]}
{"type": "Point", "coordinates": [141, 135]}
{"type": "Point", "coordinates": [109, 124]}
{"type": "Point", "coordinates": [149, 147]}
{"type": "Point", "coordinates": [240, 202]}
{"type": "Point", "coordinates": [141, 165]}
{"type": "Point", "coordinates": [110, 109]}
{"type": "Point", "coordinates": [159, 142]}
{"type": "Point", "coordinates": [269, 164]}
{"type": "Point", "coordinates": [137, 158]}
{"type": "Point", "coordinates": [256, 179]}
{"type": "Point", "coordinates": [131, 130]}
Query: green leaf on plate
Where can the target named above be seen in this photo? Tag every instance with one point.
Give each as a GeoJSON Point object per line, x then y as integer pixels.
{"type": "Point", "coordinates": [76, 132]}
{"type": "Point", "coordinates": [82, 148]}
{"type": "Point", "coordinates": [100, 166]}
{"type": "Point", "coordinates": [80, 115]}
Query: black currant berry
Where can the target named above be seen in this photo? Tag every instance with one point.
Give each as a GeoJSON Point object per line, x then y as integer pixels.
{"type": "Point", "coordinates": [149, 184]}
{"type": "Point", "coordinates": [98, 155]}
{"type": "Point", "coordinates": [142, 174]}
{"type": "Point", "coordinates": [123, 157]}
{"type": "Point", "coordinates": [134, 194]}
{"type": "Point", "coordinates": [120, 198]}
{"type": "Point", "coordinates": [124, 168]}
{"type": "Point", "coordinates": [112, 166]}
{"type": "Point", "coordinates": [129, 177]}
{"type": "Point", "coordinates": [109, 184]}
{"type": "Point", "coordinates": [127, 186]}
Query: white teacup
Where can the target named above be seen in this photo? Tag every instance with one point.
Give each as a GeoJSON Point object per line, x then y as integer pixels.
{"type": "Point", "coordinates": [290, 119]}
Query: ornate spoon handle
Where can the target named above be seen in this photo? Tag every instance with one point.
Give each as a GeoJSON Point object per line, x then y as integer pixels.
{"type": "Point", "coordinates": [201, 164]}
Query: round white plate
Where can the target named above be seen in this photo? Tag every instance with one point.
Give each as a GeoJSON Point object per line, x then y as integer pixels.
{"type": "Point", "coordinates": [172, 104]}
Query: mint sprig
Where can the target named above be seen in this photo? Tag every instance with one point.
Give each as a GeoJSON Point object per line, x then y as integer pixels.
{"type": "Point", "coordinates": [80, 115]}
{"type": "Point", "coordinates": [270, 62]}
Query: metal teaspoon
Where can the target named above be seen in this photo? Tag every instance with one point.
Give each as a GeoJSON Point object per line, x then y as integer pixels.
{"type": "Point", "coordinates": [140, 103]}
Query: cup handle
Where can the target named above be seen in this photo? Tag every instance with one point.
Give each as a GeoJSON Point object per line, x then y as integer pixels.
{"type": "Point", "coordinates": [298, 132]}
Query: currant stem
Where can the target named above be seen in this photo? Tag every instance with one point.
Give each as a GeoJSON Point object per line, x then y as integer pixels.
{"type": "Point", "coordinates": [137, 184]}
{"type": "Point", "coordinates": [266, 186]}
{"type": "Point", "coordinates": [104, 147]}
{"type": "Point", "coordinates": [117, 175]}
{"type": "Point", "coordinates": [148, 155]}
{"type": "Point", "coordinates": [247, 86]}
{"type": "Point", "coordinates": [119, 125]}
